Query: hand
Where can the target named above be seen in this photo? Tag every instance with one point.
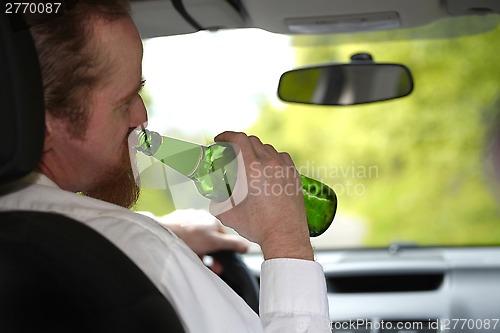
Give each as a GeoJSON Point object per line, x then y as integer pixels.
{"type": "Point", "coordinates": [202, 232]}
{"type": "Point", "coordinates": [272, 214]}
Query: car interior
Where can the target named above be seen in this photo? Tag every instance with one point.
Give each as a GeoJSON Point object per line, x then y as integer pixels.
{"type": "Point", "coordinates": [389, 285]}
{"type": "Point", "coordinates": [435, 286]}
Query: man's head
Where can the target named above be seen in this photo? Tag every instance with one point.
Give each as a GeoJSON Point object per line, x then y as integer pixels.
{"type": "Point", "coordinates": [90, 59]}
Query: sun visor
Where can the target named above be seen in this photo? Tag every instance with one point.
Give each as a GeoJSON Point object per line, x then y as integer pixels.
{"type": "Point", "coordinates": [165, 17]}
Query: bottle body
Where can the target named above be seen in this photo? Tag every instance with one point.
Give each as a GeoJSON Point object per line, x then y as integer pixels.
{"type": "Point", "coordinates": [215, 176]}
{"type": "Point", "coordinates": [321, 205]}
{"type": "Point", "coordinates": [213, 169]}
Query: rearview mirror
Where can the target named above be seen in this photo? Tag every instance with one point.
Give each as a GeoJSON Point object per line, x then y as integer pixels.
{"type": "Point", "coordinates": [361, 81]}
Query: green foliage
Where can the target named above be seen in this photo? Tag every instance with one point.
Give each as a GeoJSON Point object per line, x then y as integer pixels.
{"type": "Point", "coordinates": [146, 98]}
{"type": "Point", "coordinates": [155, 201]}
{"type": "Point", "coordinates": [425, 152]}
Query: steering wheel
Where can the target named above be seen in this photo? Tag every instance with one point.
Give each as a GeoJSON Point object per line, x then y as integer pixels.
{"type": "Point", "coordinates": [237, 275]}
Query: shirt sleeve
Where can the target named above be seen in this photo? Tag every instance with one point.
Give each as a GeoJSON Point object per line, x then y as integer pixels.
{"type": "Point", "coordinates": [293, 297]}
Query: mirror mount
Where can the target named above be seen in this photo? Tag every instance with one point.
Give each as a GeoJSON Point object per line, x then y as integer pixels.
{"type": "Point", "coordinates": [362, 58]}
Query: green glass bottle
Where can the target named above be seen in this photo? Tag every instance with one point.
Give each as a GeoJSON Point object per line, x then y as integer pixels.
{"type": "Point", "coordinates": [213, 170]}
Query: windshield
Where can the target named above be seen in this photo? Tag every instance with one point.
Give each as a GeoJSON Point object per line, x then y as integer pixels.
{"type": "Point", "coordinates": [413, 170]}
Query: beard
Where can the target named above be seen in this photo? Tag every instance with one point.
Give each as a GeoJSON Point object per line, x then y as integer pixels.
{"type": "Point", "coordinates": [118, 186]}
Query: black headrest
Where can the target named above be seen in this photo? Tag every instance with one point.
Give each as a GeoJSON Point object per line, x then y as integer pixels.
{"type": "Point", "coordinates": [21, 101]}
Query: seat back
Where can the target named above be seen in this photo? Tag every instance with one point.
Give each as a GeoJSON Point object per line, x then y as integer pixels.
{"type": "Point", "coordinates": [58, 275]}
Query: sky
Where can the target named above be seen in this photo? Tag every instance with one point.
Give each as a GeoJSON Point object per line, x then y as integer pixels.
{"type": "Point", "coordinates": [208, 82]}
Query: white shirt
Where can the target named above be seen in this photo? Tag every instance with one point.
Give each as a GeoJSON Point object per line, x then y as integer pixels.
{"type": "Point", "coordinates": [292, 292]}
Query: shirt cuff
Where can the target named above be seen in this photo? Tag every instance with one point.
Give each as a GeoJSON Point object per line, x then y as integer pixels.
{"type": "Point", "coordinates": [293, 286]}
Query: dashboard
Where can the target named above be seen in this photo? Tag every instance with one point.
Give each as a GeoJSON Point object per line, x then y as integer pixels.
{"type": "Point", "coordinates": [410, 289]}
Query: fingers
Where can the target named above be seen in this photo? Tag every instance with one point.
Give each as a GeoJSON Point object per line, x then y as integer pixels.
{"type": "Point", "coordinates": [241, 140]}
{"type": "Point", "coordinates": [224, 241]}
{"type": "Point", "coordinates": [251, 142]}
{"type": "Point", "coordinates": [287, 159]}
{"type": "Point", "coordinates": [253, 147]}
{"type": "Point", "coordinates": [205, 241]}
{"type": "Point", "coordinates": [232, 243]}
{"type": "Point", "coordinates": [202, 232]}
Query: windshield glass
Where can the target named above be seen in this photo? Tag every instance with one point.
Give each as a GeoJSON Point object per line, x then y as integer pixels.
{"type": "Point", "coordinates": [413, 170]}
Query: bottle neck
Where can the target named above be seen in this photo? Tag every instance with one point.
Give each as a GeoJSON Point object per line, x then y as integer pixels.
{"type": "Point", "coordinates": [182, 156]}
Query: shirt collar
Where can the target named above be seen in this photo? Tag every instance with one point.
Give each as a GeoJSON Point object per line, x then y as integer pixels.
{"type": "Point", "coordinates": [40, 179]}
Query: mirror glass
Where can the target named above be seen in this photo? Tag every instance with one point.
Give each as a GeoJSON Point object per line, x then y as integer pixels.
{"type": "Point", "coordinates": [345, 84]}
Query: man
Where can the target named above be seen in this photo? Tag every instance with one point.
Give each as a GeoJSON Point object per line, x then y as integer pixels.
{"type": "Point", "coordinates": [90, 59]}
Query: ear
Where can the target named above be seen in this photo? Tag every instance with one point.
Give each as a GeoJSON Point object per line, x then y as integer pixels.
{"type": "Point", "coordinates": [50, 132]}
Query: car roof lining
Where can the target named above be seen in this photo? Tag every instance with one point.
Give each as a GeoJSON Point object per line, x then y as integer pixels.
{"type": "Point", "coordinates": [160, 17]}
